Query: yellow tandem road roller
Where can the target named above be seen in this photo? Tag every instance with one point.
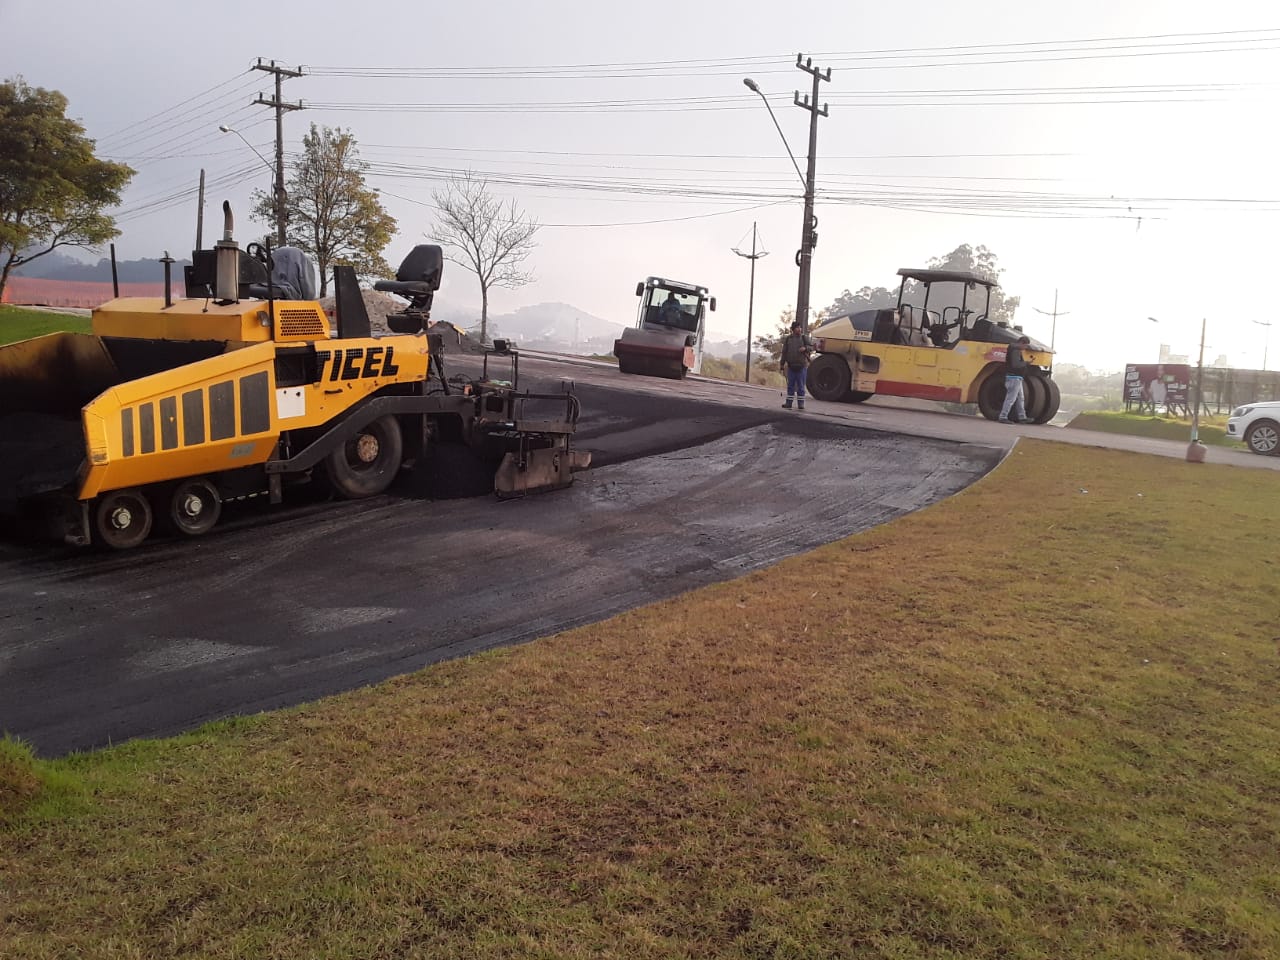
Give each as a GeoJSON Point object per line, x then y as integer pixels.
{"type": "Point", "coordinates": [171, 407]}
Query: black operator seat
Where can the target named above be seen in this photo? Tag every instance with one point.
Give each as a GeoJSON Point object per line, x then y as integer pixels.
{"type": "Point", "coordinates": [419, 275]}
{"type": "Point", "coordinates": [417, 281]}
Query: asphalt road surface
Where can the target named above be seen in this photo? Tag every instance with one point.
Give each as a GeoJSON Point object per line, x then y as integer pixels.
{"type": "Point", "coordinates": [279, 606]}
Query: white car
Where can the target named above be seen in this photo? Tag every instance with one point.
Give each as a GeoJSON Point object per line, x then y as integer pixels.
{"type": "Point", "coordinates": [1258, 425]}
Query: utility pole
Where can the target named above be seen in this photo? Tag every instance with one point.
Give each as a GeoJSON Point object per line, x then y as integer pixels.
{"type": "Point", "coordinates": [200, 214]}
{"type": "Point", "coordinates": [280, 107]}
{"type": "Point", "coordinates": [1266, 342]}
{"type": "Point", "coordinates": [809, 232]}
{"type": "Point", "coordinates": [1195, 450]}
{"type": "Point", "coordinates": [1053, 336]}
{"type": "Point", "coordinates": [751, 296]}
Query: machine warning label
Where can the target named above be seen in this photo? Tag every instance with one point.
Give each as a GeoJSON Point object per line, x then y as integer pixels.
{"type": "Point", "coordinates": [357, 363]}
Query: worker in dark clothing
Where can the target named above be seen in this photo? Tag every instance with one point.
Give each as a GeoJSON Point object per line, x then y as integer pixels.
{"type": "Point", "coordinates": [670, 311]}
{"type": "Point", "coordinates": [1015, 373]}
{"type": "Point", "coordinates": [795, 364]}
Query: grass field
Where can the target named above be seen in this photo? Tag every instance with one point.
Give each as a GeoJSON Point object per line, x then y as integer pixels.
{"type": "Point", "coordinates": [18, 323]}
{"type": "Point", "coordinates": [1212, 429]}
{"type": "Point", "coordinates": [1037, 720]}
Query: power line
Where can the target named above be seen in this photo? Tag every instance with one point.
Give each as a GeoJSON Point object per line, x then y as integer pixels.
{"type": "Point", "coordinates": [524, 71]}
{"type": "Point", "coordinates": [620, 223]}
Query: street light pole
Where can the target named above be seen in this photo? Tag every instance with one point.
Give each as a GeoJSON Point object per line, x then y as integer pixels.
{"type": "Point", "coordinates": [1265, 342]}
{"type": "Point", "coordinates": [751, 296]}
{"type": "Point", "coordinates": [1195, 449]}
{"type": "Point", "coordinates": [1195, 452]}
{"type": "Point", "coordinates": [277, 192]}
{"type": "Point", "coordinates": [1053, 336]}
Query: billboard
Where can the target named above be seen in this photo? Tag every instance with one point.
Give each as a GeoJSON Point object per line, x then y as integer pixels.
{"type": "Point", "coordinates": [1157, 384]}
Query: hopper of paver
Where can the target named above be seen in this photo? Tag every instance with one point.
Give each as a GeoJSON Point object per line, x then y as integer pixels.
{"type": "Point", "coordinates": [44, 383]}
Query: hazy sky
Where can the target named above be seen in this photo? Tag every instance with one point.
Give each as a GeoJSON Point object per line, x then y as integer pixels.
{"type": "Point", "coordinates": [1120, 151]}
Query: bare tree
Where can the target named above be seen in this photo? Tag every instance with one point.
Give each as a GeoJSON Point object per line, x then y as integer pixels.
{"type": "Point", "coordinates": [490, 238]}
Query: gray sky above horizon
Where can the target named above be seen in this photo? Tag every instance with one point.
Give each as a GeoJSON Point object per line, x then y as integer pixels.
{"type": "Point", "coordinates": [1134, 175]}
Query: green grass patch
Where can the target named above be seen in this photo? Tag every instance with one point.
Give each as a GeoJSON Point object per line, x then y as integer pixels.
{"type": "Point", "coordinates": [34, 791]}
{"type": "Point", "coordinates": [17, 323]}
{"type": "Point", "coordinates": [1028, 722]}
{"type": "Point", "coordinates": [1212, 429]}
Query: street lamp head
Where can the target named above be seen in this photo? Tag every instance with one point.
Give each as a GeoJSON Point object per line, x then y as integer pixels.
{"type": "Point", "coordinates": [224, 128]}
{"type": "Point", "coordinates": [750, 84]}
{"type": "Point", "coordinates": [1153, 319]}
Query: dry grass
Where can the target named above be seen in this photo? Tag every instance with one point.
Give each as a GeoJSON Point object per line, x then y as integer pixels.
{"type": "Point", "coordinates": [1029, 722]}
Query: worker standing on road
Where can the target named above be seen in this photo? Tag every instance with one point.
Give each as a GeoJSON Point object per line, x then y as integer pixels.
{"type": "Point", "coordinates": [795, 364]}
{"type": "Point", "coordinates": [1015, 369]}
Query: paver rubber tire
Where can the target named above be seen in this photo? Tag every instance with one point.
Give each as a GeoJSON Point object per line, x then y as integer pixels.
{"type": "Point", "coordinates": [829, 377]}
{"type": "Point", "coordinates": [367, 463]}
{"type": "Point", "coordinates": [122, 518]}
{"type": "Point", "coordinates": [859, 396]}
{"type": "Point", "coordinates": [1263, 437]}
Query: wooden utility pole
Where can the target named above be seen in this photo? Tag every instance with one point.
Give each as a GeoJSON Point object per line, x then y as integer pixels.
{"type": "Point", "coordinates": [280, 107]}
{"type": "Point", "coordinates": [200, 214]}
{"type": "Point", "coordinates": [809, 233]}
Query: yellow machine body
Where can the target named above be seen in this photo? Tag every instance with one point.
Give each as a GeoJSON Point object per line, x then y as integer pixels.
{"type": "Point", "coordinates": [228, 410]}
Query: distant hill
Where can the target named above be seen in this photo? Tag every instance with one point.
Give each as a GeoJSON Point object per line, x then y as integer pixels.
{"type": "Point", "coordinates": [57, 266]}
{"type": "Point", "coordinates": [541, 326]}
{"type": "Point", "coordinates": [562, 327]}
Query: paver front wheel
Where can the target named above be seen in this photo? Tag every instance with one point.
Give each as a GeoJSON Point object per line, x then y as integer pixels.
{"type": "Point", "coordinates": [367, 463]}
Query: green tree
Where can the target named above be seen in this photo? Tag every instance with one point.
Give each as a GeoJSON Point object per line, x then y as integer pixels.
{"type": "Point", "coordinates": [981, 261]}
{"type": "Point", "coordinates": [53, 188]}
{"type": "Point", "coordinates": [481, 233]}
{"type": "Point", "coordinates": [330, 212]}
{"type": "Point", "coordinates": [867, 298]}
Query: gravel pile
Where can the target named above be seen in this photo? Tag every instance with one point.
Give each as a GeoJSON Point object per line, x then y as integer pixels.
{"type": "Point", "coordinates": [380, 304]}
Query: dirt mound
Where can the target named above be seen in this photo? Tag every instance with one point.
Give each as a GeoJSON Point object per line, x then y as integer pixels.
{"type": "Point", "coordinates": [380, 304]}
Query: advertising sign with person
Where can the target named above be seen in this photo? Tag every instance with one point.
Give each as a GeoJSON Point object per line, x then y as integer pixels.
{"type": "Point", "coordinates": [1157, 385]}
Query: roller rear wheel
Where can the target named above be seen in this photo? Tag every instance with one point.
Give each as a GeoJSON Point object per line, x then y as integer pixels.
{"type": "Point", "coordinates": [1035, 398]}
{"type": "Point", "coordinates": [991, 396]}
{"type": "Point", "coordinates": [829, 377]}
{"type": "Point", "coordinates": [1053, 400]}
